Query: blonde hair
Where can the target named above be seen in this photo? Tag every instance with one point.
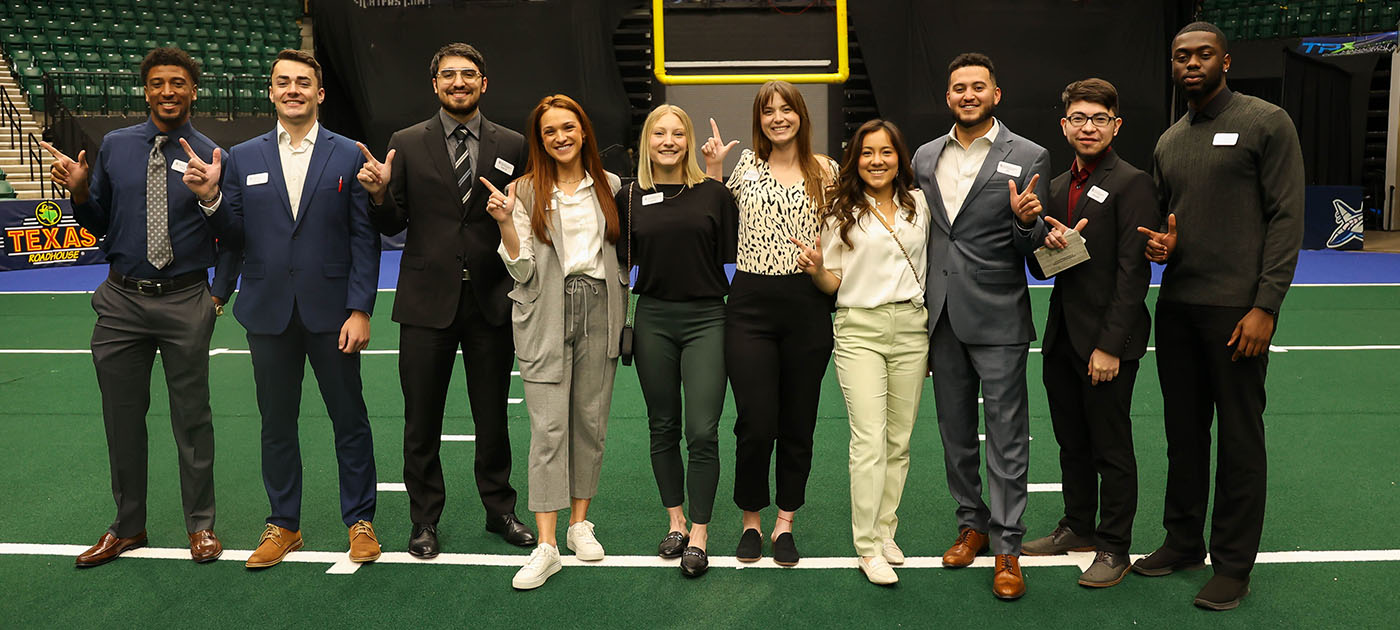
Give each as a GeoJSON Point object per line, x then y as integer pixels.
{"type": "Point", "coordinates": [692, 174]}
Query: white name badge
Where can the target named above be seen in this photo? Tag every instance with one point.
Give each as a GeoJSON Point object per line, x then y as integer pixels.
{"type": "Point", "coordinates": [653, 198]}
{"type": "Point", "coordinates": [750, 175]}
{"type": "Point", "coordinates": [505, 167]}
{"type": "Point", "coordinates": [257, 178]}
{"type": "Point", "coordinates": [179, 165]}
{"type": "Point", "coordinates": [1097, 194]}
{"type": "Point", "coordinates": [1225, 139]}
{"type": "Point", "coordinates": [1008, 168]}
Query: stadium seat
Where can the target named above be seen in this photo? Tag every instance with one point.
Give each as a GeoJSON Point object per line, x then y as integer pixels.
{"type": "Point", "coordinates": [7, 191]}
{"type": "Point", "coordinates": [135, 99]}
{"type": "Point", "coordinates": [93, 96]}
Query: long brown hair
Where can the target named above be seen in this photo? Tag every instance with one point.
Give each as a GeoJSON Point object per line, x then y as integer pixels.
{"type": "Point", "coordinates": [813, 175]}
{"type": "Point", "coordinates": [543, 172]}
{"type": "Point", "coordinates": [847, 203]}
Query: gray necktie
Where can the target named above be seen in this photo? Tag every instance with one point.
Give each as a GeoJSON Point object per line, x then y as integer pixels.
{"type": "Point", "coordinates": [158, 249]}
{"type": "Point", "coordinates": [462, 163]}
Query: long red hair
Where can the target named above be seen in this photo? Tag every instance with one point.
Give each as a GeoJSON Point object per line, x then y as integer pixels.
{"type": "Point", "coordinates": [543, 170]}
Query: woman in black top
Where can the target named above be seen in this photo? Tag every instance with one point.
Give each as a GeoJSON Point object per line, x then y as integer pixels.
{"type": "Point", "coordinates": [681, 230]}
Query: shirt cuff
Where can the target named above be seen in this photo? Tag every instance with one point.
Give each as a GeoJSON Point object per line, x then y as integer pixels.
{"type": "Point", "coordinates": [213, 206]}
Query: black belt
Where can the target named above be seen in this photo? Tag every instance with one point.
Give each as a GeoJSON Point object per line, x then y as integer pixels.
{"type": "Point", "coordinates": [158, 286]}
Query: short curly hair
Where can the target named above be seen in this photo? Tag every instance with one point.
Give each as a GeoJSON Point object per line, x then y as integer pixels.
{"type": "Point", "coordinates": [169, 56]}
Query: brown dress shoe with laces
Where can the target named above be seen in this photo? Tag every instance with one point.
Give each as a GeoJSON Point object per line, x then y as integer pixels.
{"type": "Point", "coordinates": [205, 546]}
{"type": "Point", "coordinates": [275, 544]}
{"type": "Point", "coordinates": [970, 542]}
{"type": "Point", "coordinates": [364, 547]}
{"type": "Point", "coordinates": [108, 548]}
{"type": "Point", "coordinates": [1007, 581]}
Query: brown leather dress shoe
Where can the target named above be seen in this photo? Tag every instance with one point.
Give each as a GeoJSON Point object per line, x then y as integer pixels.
{"type": "Point", "coordinates": [274, 545]}
{"type": "Point", "coordinates": [970, 542]}
{"type": "Point", "coordinates": [364, 546]}
{"type": "Point", "coordinates": [1007, 581]}
{"type": "Point", "coordinates": [205, 546]}
{"type": "Point", "coordinates": [108, 548]}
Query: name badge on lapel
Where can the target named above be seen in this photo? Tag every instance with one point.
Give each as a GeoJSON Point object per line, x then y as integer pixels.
{"type": "Point", "coordinates": [505, 167]}
{"type": "Point", "coordinates": [179, 166]}
{"type": "Point", "coordinates": [1225, 139]}
{"type": "Point", "coordinates": [1097, 194]}
{"type": "Point", "coordinates": [256, 178]}
{"type": "Point", "coordinates": [750, 175]}
{"type": "Point", "coordinates": [1007, 168]}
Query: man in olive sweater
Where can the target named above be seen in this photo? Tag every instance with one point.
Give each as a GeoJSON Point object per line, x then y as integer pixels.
{"type": "Point", "coordinates": [1230, 180]}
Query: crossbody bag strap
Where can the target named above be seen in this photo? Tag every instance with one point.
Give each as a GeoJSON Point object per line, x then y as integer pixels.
{"type": "Point", "coordinates": [631, 190]}
{"type": "Point", "coordinates": [907, 259]}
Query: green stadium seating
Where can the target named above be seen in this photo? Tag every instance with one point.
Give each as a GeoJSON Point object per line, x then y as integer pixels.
{"type": "Point", "coordinates": [7, 191]}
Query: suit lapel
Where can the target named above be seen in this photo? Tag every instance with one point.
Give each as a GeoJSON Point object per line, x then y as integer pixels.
{"type": "Point", "coordinates": [273, 159]}
{"type": "Point", "coordinates": [320, 154]}
{"type": "Point", "coordinates": [934, 196]}
{"type": "Point", "coordinates": [436, 148]}
{"type": "Point", "coordinates": [1059, 192]}
{"type": "Point", "coordinates": [485, 159]}
{"type": "Point", "coordinates": [1101, 173]}
{"type": "Point", "coordinates": [998, 152]}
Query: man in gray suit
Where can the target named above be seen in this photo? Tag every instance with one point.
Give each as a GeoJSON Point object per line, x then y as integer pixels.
{"type": "Point", "coordinates": [983, 185]}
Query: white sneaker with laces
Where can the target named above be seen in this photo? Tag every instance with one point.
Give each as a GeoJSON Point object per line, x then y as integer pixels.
{"type": "Point", "coordinates": [878, 571]}
{"type": "Point", "coordinates": [892, 553]}
{"type": "Point", "coordinates": [543, 562]}
{"type": "Point", "coordinates": [582, 542]}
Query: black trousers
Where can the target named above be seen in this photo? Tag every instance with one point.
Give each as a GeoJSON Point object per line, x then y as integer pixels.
{"type": "Point", "coordinates": [777, 344]}
{"type": "Point", "coordinates": [1094, 428]}
{"type": "Point", "coordinates": [1200, 383]}
{"type": "Point", "coordinates": [426, 356]}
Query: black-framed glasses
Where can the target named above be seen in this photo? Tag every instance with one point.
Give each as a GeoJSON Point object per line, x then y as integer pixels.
{"type": "Point", "coordinates": [1099, 120]}
{"type": "Point", "coordinates": [467, 74]}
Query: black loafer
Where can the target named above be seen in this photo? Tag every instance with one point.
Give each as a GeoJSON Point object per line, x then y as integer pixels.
{"type": "Point", "coordinates": [511, 529]}
{"type": "Point", "coordinates": [1221, 593]}
{"type": "Point", "coordinates": [694, 562]}
{"type": "Point", "coordinates": [785, 550]}
{"type": "Point", "coordinates": [750, 546]}
{"type": "Point", "coordinates": [673, 545]}
{"type": "Point", "coordinates": [424, 541]}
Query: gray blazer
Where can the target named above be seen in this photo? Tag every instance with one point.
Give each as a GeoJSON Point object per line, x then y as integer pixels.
{"type": "Point", "coordinates": [976, 265]}
{"type": "Point", "coordinates": [537, 304]}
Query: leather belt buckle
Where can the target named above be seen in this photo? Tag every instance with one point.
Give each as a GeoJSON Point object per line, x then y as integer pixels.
{"type": "Point", "coordinates": [466, 275]}
{"type": "Point", "coordinates": [149, 288]}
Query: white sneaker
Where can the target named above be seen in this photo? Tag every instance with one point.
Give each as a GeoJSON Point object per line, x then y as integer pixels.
{"type": "Point", "coordinates": [877, 571]}
{"type": "Point", "coordinates": [581, 541]}
{"type": "Point", "coordinates": [543, 562]}
{"type": "Point", "coordinates": [892, 553]}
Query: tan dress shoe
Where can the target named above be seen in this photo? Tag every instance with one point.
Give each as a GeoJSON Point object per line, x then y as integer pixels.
{"type": "Point", "coordinates": [108, 548]}
{"type": "Point", "coordinates": [970, 542]}
{"type": "Point", "coordinates": [364, 547]}
{"type": "Point", "coordinates": [275, 544]}
{"type": "Point", "coordinates": [205, 546]}
{"type": "Point", "coordinates": [1007, 581]}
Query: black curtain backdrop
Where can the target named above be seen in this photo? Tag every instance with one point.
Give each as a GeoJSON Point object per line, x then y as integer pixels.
{"type": "Point", "coordinates": [1310, 94]}
{"type": "Point", "coordinates": [1038, 46]}
{"type": "Point", "coordinates": [376, 62]}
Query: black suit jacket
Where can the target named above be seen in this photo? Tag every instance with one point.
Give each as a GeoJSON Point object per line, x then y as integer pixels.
{"type": "Point", "coordinates": [444, 235]}
{"type": "Point", "coordinates": [1100, 301]}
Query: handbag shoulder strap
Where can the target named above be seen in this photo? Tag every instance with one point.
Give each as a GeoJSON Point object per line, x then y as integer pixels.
{"type": "Point", "coordinates": [907, 259]}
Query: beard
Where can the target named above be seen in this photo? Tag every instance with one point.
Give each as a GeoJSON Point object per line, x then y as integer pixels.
{"type": "Point", "coordinates": [983, 115]}
{"type": "Point", "coordinates": [465, 111]}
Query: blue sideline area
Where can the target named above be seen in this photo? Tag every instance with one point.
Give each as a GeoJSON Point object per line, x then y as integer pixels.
{"type": "Point", "coordinates": [1314, 267]}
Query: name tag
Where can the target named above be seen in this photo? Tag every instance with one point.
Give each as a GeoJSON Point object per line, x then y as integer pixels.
{"type": "Point", "coordinates": [750, 175]}
{"type": "Point", "coordinates": [179, 166]}
{"type": "Point", "coordinates": [505, 167]}
{"type": "Point", "coordinates": [653, 198]}
{"type": "Point", "coordinates": [256, 178]}
{"type": "Point", "coordinates": [1097, 194]}
{"type": "Point", "coordinates": [1226, 139]}
{"type": "Point", "coordinates": [1008, 168]}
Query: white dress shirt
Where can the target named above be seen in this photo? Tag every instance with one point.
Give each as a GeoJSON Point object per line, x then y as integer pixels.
{"type": "Point", "coordinates": [957, 167]}
{"type": "Point", "coordinates": [295, 162]}
{"type": "Point", "coordinates": [873, 270]}
{"type": "Point", "coordinates": [582, 240]}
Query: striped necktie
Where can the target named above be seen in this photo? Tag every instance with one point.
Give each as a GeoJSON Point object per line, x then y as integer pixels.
{"type": "Point", "coordinates": [462, 163]}
{"type": "Point", "coordinates": [158, 249]}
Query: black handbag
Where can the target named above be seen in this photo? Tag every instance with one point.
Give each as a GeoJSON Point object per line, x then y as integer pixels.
{"type": "Point", "coordinates": [625, 345]}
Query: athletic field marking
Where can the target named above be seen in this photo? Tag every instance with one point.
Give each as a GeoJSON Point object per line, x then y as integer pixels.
{"type": "Point", "coordinates": [459, 438]}
{"type": "Point", "coordinates": [390, 487]}
{"type": "Point", "coordinates": [213, 352]}
{"type": "Point", "coordinates": [340, 562]}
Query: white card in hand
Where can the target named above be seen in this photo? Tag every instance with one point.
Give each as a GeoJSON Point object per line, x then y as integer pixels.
{"type": "Point", "coordinates": [1053, 261]}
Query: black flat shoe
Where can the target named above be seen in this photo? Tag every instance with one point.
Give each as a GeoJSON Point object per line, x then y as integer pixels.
{"type": "Point", "coordinates": [511, 529]}
{"type": "Point", "coordinates": [785, 550]}
{"type": "Point", "coordinates": [424, 541]}
{"type": "Point", "coordinates": [750, 546]}
{"type": "Point", "coordinates": [673, 545]}
{"type": "Point", "coordinates": [694, 562]}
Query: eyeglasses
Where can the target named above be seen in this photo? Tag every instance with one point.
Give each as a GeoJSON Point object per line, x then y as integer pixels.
{"type": "Point", "coordinates": [1100, 120]}
{"type": "Point", "coordinates": [467, 74]}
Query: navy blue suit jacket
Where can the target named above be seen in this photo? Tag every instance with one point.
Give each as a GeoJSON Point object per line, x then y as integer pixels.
{"type": "Point", "coordinates": [326, 262]}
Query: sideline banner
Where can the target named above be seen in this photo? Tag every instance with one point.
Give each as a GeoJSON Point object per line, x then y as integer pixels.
{"type": "Point", "coordinates": [1332, 218]}
{"type": "Point", "coordinates": [1352, 45]}
{"type": "Point", "coordinates": [42, 233]}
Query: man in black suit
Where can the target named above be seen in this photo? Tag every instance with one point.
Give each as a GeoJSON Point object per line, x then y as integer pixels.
{"type": "Point", "coordinates": [1095, 334]}
{"type": "Point", "coordinates": [452, 288]}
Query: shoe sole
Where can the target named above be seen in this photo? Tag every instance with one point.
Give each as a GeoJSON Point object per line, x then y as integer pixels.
{"type": "Point", "coordinates": [89, 565]}
{"type": "Point", "coordinates": [951, 565]}
{"type": "Point", "coordinates": [1027, 552]}
{"type": "Point", "coordinates": [365, 559]}
{"type": "Point", "coordinates": [209, 559]}
{"type": "Point", "coordinates": [587, 558]}
{"type": "Point", "coordinates": [1168, 570]}
{"type": "Point", "coordinates": [1009, 598]}
{"type": "Point", "coordinates": [784, 564]}
{"type": "Point", "coordinates": [423, 556]}
{"type": "Point", "coordinates": [1230, 605]}
{"type": "Point", "coordinates": [535, 583]}
{"type": "Point", "coordinates": [1083, 582]}
{"type": "Point", "coordinates": [263, 565]}
{"type": "Point", "coordinates": [871, 579]}
{"type": "Point", "coordinates": [749, 560]}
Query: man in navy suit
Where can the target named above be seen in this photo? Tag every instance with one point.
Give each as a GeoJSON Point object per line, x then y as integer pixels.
{"type": "Point", "coordinates": [310, 271]}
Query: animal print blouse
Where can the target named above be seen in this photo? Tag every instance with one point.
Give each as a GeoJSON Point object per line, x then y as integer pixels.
{"type": "Point", "coordinates": [768, 214]}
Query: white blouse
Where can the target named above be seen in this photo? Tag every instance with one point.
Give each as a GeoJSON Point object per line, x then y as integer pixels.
{"type": "Point", "coordinates": [873, 270]}
{"type": "Point", "coordinates": [580, 247]}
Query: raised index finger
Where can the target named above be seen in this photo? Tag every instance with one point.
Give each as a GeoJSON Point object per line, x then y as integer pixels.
{"type": "Point", "coordinates": [714, 127]}
{"type": "Point", "coordinates": [190, 151]}
{"type": "Point", "coordinates": [1030, 188]}
{"type": "Point", "coordinates": [369, 157]}
{"type": "Point", "coordinates": [493, 188]}
{"type": "Point", "coordinates": [59, 154]}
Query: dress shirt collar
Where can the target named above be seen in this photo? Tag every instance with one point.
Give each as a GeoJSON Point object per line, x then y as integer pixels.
{"type": "Point", "coordinates": [1216, 105]}
{"type": "Point", "coordinates": [449, 124]}
{"type": "Point", "coordinates": [990, 136]}
{"type": "Point", "coordinates": [1080, 175]}
{"type": "Point", "coordinates": [582, 187]}
{"type": "Point", "coordinates": [149, 131]}
{"type": "Point", "coordinates": [284, 137]}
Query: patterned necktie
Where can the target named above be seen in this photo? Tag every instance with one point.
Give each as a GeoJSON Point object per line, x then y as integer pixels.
{"type": "Point", "coordinates": [462, 163]}
{"type": "Point", "coordinates": [158, 249]}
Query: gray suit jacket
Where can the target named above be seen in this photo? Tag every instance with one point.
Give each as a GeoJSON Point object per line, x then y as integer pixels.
{"type": "Point", "coordinates": [537, 303]}
{"type": "Point", "coordinates": [976, 265]}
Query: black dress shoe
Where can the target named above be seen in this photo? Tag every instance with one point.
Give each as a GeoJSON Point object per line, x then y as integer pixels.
{"type": "Point", "coordinates": [673, 545]}
{"type": "Point", "coordinates": [750, 546]}
{"type": "Point", "coordinates": [694, 562]}
{"type": "Point", "coordinates": [785, 550]}
{"type": "Point", "coordinates": [423, 543]}
{"type": "Point", "coordinates": [511, 529]}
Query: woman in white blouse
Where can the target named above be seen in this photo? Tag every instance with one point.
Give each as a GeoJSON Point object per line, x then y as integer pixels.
{"type": "Point", "coordinates": [558, 227]}
{"type": "Point", "coordinates": [871, 255]}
